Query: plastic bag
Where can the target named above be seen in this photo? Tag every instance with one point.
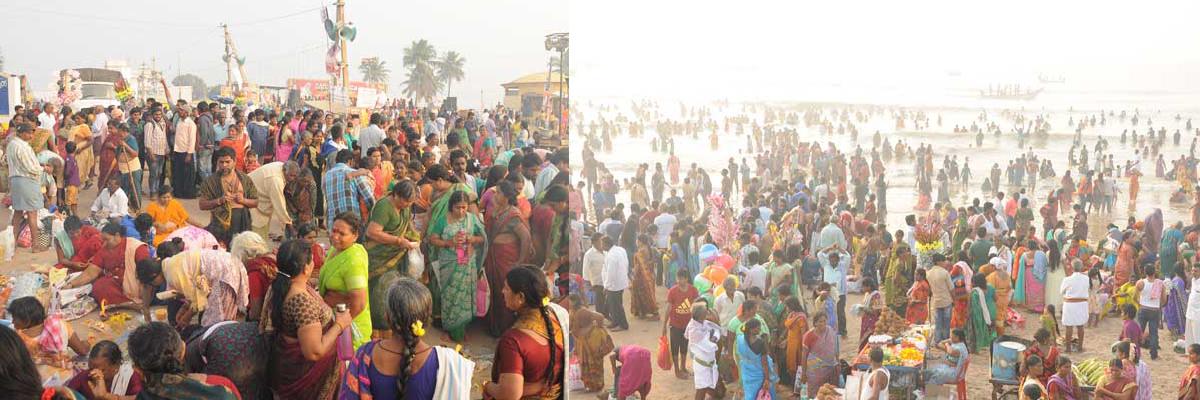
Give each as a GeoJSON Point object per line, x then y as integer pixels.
{"type": "Point", "coordinates": [25, 238]}
{"type": "Point", "coordinates": [8, 243]}
{"type": "Point", "coordinates": [574, 375]}
{"type": "Point", "coordinates": [664, 354]}
{"type": "Point", "coordinates": [416, 264]}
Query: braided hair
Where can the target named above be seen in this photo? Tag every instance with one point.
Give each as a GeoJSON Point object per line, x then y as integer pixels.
{"type": "Point", "coordinates": [408, 301]}
{"type": "Point", "coordinates": [531, 283]}
{"type": "Point", "coordinates": [155, 349]}
{"type": "Point", "coordinates": [294, 255]}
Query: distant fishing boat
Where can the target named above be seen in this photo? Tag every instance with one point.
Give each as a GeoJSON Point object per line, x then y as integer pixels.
{"type": "Point", "coordinates": [1009, 93]}
{"type": "Point", "coordinates": [1047, 79]}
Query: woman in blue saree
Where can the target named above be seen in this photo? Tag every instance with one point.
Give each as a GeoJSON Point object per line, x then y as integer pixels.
{"type": "Point", "coordinates": [756, 366]}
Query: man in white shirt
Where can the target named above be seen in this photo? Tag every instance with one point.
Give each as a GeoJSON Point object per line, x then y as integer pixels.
{"type": "Point", "coordinates": [593, 270]}
{"type": "Point", "coordinates": [727, 304]}
{"type": "Point", "coordinates": [756, 275]}
{"type": "Point", "coordinates": [995, 225]}
{"type": "Point", "coordinates": [372, 135]}
{"type": "Point", "coordinates": [46, 119]}
{"type": "Point", "coordinates": [910, 232]}
{"type": "Point", "coordinates": [616, 280]}
{"type": "Point", "coordinates": [99, 126]}
{"type": "Point", "coordinates": [834, 263]}
{"type": "Point", "coordinates": [111, 203]}
{"type": "Point", "coordinates": [666, 224]}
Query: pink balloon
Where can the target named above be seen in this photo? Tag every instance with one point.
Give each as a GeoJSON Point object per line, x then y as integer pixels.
{"type": "Point", "coordinates": [726, 261]}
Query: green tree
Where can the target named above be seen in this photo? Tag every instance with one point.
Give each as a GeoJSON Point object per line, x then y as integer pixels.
{"type": "Point", "coordinates": [422, 82]}
{"type": "Point", "coordinates": [450, 68]}
{"type": "Point", "coordinates": [374, 70]}
{"type": "Point", "coordinates": [196, 82]}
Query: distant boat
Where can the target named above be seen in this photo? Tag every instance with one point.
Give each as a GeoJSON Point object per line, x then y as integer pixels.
{"type": "Point", "coordinates": [1010, 95]}
{"type": "Point", "coordinates": [954, 72]}
{"type": "Point", "coordinates": [1047, 79]}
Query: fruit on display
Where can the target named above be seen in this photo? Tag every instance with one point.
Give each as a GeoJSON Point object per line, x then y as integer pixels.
{"type": "Point", "coordinates": [1090, 371]}
{"type": "Point", "coordinates": [890, 323]}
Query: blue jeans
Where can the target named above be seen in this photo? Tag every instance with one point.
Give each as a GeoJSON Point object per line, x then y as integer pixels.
{"type": "Point", "coordinates": [1150, 317]}
{"type": "Point", "coordinates": [204, 161]}
{"type": "Point", "coordinates": [155, 165]}
{"type": "Point", "coordinates": [942, 323]}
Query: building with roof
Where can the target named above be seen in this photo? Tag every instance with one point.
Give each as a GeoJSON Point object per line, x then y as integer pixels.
{"type": "Point", "coordinates": [529, 93]}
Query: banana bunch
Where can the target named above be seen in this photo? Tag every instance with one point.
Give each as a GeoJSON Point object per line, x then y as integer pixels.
{"type": "Point", "coordinates": [1090, 371]}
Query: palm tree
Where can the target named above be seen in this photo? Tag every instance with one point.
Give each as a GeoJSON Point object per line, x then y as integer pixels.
{"type": "Point", "coordinates": [374, 70]}
{"type": "Point", "coordinates": [422, 82]}
{"type": "Point", "coordinates": [450, 68]}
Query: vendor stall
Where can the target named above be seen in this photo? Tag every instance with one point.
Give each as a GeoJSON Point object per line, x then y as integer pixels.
{"type": "Point", "coordinates": [903, 356]}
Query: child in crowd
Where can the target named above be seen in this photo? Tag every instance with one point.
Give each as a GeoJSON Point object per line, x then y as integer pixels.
{"type": "Point", "coordinates": [1050, 322]}
{"type": "Point", "coordinates": [71, 180]}
{"type": "Point", "coordinates": [46, 336]}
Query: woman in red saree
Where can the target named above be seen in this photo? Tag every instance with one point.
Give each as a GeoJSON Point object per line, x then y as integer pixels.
{"type": "Point", "coordinates": [511, 245]}
{"type": "Point", "coordinates": [918, 300]}
{"type": "Point", "coordinates": [112, 271]}
{"type": "Point", "coordinates": [76, 244]}
{"type": "Point", "coordinates": [959, 278]}
{"type": "Point", "coordinates": [642, 285]}
{"type": "Point", "coordinates": [108, 155]}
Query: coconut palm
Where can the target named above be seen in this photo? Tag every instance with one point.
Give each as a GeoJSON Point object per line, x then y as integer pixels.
{"type": "Point", "coordinates": [422, 83]}
{"type": "Point", "coordinates": [450, 68]}
{"type": "Point", "coordinates": [374, 70]}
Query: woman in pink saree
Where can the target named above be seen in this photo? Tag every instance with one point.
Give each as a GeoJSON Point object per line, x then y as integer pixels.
{"type": "Point", "coordinates": [1036, 263]}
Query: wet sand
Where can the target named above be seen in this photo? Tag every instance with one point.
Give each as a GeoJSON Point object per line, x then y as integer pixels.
{"type": "Point", "coordinates": [1165, 371]}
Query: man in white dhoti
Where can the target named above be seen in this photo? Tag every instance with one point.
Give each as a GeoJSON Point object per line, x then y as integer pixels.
{"type": "Point", "coordinates": [1075, 303]}
{"type": "Point", "coordinates": [703, 335]}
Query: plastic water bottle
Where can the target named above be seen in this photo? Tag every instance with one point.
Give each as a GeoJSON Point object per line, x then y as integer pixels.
{"type": "Point", "coordinates": [345, 340]}
{"type": "Point", "coordinates": [804, 391]}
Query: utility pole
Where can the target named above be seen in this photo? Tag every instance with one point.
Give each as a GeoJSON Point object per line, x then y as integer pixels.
{"type": "Point", "coordinates": [341, 23]}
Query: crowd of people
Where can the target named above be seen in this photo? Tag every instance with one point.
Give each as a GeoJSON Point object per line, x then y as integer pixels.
{"type": "Point", "coordinates": [333, 244]}
{"type": "Point", "coordinates": [756, 294]}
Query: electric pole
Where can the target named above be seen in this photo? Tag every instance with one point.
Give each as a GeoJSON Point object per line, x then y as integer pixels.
{"type": "Point", "coordinates": [341, 23]}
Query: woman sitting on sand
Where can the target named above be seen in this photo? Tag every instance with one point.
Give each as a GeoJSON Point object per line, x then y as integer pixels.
{"type": "Point", "coordinates": [76, 244]}
{"type": "Point", "coordinates": [108, 372]}
{"type": "Point", "coordinates": [112, 270]}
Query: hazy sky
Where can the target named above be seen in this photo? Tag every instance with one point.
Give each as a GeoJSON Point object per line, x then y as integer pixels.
{"type": "Point", "coordinates": [774, 49]}
{"type": "Point", "coordinates": [500, 39]}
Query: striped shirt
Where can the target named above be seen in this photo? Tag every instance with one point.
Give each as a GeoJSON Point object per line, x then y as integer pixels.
{"type": "Point", "coordinates": [22, 161]}
{"type": "Point", "coordinates": [156, 138]}
{"type": "Point", "coordinates": [342, 194]}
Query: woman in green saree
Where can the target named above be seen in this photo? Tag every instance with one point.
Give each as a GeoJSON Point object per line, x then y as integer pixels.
{"type": "Point", "coordinates": [390, 236]}
{"type": "Point", "coordinates": [343, 278]}
{"type": "Point", "coordinates": [983, 314]}
{"type": "Point", "coordinates": [460, 244]}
